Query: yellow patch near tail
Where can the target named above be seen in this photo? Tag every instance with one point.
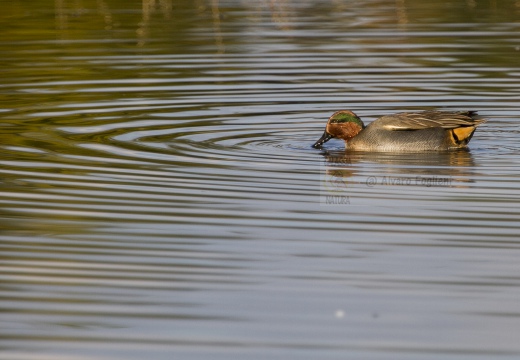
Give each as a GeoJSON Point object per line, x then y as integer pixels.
{"type": "Point", "coordinates": [463, 133]}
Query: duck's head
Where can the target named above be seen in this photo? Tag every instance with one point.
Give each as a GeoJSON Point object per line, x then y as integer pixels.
{"type": "Point", "coordinates": [343, 124]}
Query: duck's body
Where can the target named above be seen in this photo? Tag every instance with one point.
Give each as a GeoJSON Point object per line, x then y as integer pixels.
{"type": "Point", "coordinates": [422, 131]}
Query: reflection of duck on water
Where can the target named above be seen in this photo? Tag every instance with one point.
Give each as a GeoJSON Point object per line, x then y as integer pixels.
{"type": "Point", "coordinates": [403, 132]}
{"type": "Point", "coordinates": [456, 165]}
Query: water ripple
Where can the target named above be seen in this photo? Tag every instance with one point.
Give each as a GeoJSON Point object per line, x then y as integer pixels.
{"type": "Point", "coordinates": [159, 192]}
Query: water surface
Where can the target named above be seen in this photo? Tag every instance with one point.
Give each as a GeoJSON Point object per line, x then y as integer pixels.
{"type": "Point", "coordinates": [160, 196]}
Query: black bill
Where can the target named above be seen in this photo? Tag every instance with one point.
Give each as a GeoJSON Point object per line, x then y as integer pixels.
{"type": "Point", "coordinates": [323, 139]}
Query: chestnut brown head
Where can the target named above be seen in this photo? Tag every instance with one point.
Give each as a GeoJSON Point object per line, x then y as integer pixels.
{"type": "Point", "coordinates": [343, 124]}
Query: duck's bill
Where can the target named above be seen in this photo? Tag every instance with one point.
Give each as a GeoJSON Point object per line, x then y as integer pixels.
{"type": "Point", "coordinates": [323, 139]}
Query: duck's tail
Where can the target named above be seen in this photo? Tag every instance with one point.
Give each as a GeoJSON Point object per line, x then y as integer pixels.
{"type": "Point", "coordinates": [477, 120]}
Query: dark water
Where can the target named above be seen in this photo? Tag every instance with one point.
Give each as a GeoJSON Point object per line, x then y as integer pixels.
{"type": "Point", "coordinates": [160, 198]}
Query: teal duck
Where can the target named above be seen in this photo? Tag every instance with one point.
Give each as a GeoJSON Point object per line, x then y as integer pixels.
{"type": "Point", "coordinates": [420, 131]}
